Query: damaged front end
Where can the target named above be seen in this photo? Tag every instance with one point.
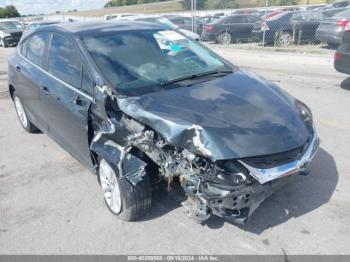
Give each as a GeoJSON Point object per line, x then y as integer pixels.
{"type": "Point", "coordinates": [231, 189]}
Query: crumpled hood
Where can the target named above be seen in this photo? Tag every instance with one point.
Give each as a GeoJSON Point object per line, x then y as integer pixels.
{"type": "Point", "coordinates": [236, 116]}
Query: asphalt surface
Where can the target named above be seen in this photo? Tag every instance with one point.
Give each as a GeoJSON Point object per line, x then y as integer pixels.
{"type": "Point", "coordinates": [49, 203]}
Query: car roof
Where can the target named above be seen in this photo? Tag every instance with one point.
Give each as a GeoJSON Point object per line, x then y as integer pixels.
{"type": "Point", "coordinates": [94, 28]}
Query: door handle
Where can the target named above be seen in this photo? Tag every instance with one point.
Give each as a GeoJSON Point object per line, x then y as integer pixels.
{"type": "Point", "coordinates": [78, 101]}
{"type": "Point", "coordinates": [46, 90]}
{"type": "Point", "coordinates": [18, 69]}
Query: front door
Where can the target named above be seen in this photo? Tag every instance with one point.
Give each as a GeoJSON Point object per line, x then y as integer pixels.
{"type": "Point", "coordinates": [66, 98]}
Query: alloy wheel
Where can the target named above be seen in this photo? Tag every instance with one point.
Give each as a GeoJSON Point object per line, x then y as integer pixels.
{"type": "Point", "coordinates": [285, 39]}
{"type": "Point", "coordinates": [225, 38]}
{"type": "Point", "coordinates": [110, 186]}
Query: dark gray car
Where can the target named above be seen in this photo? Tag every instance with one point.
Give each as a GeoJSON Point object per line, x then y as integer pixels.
{"type": "Point", "coordinates": [143, 106]}
{"type": "Point", "coordinates": [342, 56]}
{"type": "Point", "coordinates": [10, 33]}
{"type": "Point", "coordinates": [229, 28]}
{"type": "Point", "coordinates": [331, 29]}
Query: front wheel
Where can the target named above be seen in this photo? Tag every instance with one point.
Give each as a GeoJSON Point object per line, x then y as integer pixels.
{"type": "Point", "coordinates": [123, 199]}
{"type": "Point", "coordinates": [224, 38]}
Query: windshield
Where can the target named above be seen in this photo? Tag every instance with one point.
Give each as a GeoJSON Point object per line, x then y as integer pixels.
{"type": "Point", "coordinates": [10, 25]}
{"type": "Point", "coordinates": [138, 62]}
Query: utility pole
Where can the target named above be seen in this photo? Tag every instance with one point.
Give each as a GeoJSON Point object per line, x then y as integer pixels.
{"type": "Point", "coordinates": [264, 32]}
{"type": "Point", "coordinates": [193, 14]}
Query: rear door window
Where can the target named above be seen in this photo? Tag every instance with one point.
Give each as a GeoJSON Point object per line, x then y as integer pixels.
{"type": "Point", "coordinates": [24, 47]}
{"type": "Point", "coordinates": [235, 20]}
{"type": "Point", "coordinates": [252, 19]}
{"type": "Point", "coordinates": [36, 48]}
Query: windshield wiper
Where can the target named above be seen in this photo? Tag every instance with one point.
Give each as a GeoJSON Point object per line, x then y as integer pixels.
{"type": "Point", "coordinates": [195, 76]}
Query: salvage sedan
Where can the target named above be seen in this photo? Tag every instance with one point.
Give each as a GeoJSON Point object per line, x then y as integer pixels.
{"type": "Point", "coordinates": [142, 105]}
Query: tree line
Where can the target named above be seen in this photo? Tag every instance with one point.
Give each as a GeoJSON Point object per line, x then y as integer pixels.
{"type": "Point", "coordinates": [9, 12]}
{"type": "Point", "coordinates": [223, 4]}
{"type": "Point", "coordinates": [112, 3]}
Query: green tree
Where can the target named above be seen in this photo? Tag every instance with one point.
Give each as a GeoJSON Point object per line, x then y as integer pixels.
{"type": "Point", "coordinates": [9, 12]}
{"type": "Point", "coordinates": [187, 4]}
{"type": "Point", "coordinates": [112, 3]}
{"type": "Point", "coordinates": [285, 2]}
{"type": "Point", "coordinates": [130, 2]}
{"type": "Point", "coordinates": [220, 4]}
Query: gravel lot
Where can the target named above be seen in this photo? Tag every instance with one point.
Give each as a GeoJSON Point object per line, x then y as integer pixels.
{"type": "Point", "coordinates": [49, 203]}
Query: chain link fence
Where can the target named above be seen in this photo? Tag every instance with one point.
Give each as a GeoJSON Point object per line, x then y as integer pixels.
{"type": "Point", "coordinates": [260, 25]}
{"type": "Point", "coordinates": [312, 26]}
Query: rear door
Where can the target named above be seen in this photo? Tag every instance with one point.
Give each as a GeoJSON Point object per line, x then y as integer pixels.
{"type": "Point", "coordinates": [236, 26]}
{"type": "Point", "coordinates": [249, 25]}
{"type": "Point", "coordinates": [66, 97]}
{"type": "Point", "coordinates": [30, 73]}
{"type": "Point", "coordinates": [305, 25]}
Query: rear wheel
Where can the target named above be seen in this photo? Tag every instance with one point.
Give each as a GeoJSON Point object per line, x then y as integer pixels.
{"type": "Point", "coordinates": [285, 39]}
{"type": "Point", "coordinates": [224, 38]}
{"type": "Point", "coordinates": [123, 199]}
{"type": "Point", "coordinates": [22, 115]}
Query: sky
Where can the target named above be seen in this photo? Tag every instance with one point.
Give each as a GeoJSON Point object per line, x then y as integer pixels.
{"type": "Point", "coordinates": [51, 6]}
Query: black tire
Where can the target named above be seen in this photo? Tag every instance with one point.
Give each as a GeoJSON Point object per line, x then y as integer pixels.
{"type": "Point", "coordinates": [136, 200]}
{"type": "Point", "coordinates": [27, 125]}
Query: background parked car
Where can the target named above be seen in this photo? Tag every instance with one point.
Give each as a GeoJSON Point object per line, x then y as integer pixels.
{"type": "Point", "coordinates": [278, 29]}
{"type": "Point", "coordinates": [33, 25]}
{"type": "Point", "coordinates": [282, 28]}
{"type": "Point", "coordinates": [208, 19]}
{"type": "Point", "coordinates": [335, 7]}
{"type": "Point", "coordinates": [342, 56]}
{"type": "Point", "coordinates": [163, 21]}
{"type": "Point", "coordinates": [10, 33]}
{"type": "Point", "coordinates": [117, 16]}
{"type": "Point", "coordinates": [185, 23]}
{"type": "Point", "coordinates": [331, 30]}
{"type": "Point", "coordinates": [229, 28]}
{"type": "Point", "coordinates": [305, 24]}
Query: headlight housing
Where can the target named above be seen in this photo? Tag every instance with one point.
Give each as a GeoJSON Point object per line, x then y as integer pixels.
{"type": "Point", "coordinates": [305, 113]}
{"type": "Point", "coordinates": [6, 34]}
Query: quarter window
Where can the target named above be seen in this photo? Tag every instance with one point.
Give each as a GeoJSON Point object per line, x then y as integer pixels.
{"type": "Point", "coordinates": [64, 62]}
{"type": "Point", "coordinates": [36, 48]}
{"type": "Point", "coordinates": [24, 47]}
